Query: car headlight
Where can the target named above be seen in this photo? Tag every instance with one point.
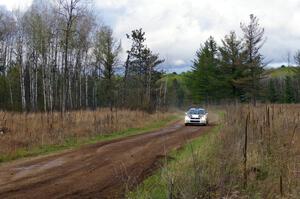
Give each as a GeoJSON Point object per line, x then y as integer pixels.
{"type": "Point", "coordinates": [203, 117]}
{"type": "Point", "coordinates": [187, 117]}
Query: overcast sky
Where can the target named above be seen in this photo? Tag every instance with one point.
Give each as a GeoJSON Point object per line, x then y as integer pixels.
{"type": "Point", "coordinates": [176, 28]}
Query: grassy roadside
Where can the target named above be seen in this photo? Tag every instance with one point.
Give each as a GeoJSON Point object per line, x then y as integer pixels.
{"type": "Point", "coordinates": [73, 143]}
{"type": "Point", "coordinates": [254, 155]}
{"type": "Point", "coordinates": [158, 185]}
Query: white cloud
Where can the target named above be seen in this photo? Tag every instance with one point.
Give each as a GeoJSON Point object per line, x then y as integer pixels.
{"type": "Point", "coordinates": [15, 4]}
{"type": "Point", "coordinates": [179, 62]}
{"type": "Point", "coordinates": [176, 28]}
{"type": "Point", "coordinates": [111, 4]}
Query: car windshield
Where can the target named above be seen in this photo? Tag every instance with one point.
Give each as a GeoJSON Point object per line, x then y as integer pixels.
{"type": "Point", "coordinates": [196, 112]}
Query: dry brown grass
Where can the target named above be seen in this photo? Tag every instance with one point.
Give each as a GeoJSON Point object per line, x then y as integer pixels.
{"type": "Point", "coordinates": [267, 163]}
{"type": "Point", "coordinates": [38, 129]}
{"type": "Point", "coordinates": [227, 165]}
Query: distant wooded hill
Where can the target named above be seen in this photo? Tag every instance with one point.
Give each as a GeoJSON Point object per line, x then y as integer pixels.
{"type": "Point", "coordinates": [281, 71]}
{"type": "Point", "coordinates": [279, 86]}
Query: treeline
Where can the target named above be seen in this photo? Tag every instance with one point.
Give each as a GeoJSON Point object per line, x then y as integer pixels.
{"type": "Point", "coordinates": [235, 71]}
{"type": "Point", "coordinates": [56, 56]}
{"type": "Point", "coordinates": [284, 89]}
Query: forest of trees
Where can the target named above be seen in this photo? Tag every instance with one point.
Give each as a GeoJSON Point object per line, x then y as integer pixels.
{"type": "Point", "coordinates": [55, 56]}
{"type": "Point", "coordinates": [235, 71]}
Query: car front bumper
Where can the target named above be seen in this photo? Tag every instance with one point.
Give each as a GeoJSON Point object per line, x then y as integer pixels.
{"type": "Point", "coordinates": [196, 121]}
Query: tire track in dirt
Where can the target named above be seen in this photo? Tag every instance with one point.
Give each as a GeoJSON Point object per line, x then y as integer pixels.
{"type": "Point", "coordinates": [101, 170]}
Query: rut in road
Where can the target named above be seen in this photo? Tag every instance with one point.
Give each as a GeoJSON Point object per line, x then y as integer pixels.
{"type": "Point", "coordinates": [98, 171]}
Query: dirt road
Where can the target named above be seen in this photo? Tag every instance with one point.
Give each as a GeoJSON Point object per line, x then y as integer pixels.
{"type": "Point", "coordinates": [102, 170]}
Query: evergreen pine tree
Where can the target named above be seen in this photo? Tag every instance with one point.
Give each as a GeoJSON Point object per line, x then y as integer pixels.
{"type": "Point", "coordinates": [272, 92]}
{"type": "Point", "coordinates": [253, 41]}
{"type": "Point", "coordinates": [288, 92]}
{"type": "Point", "coordinates": [232, 63]}
{"type": "Point", "coordinates": [204, 81]}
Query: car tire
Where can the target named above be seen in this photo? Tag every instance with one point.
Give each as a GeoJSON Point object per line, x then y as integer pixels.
{"type": "Point", "coordinates": [185, 124]}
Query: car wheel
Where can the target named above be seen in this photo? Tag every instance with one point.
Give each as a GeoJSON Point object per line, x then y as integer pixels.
{"type": "Point", "coordinates": [186, 124]}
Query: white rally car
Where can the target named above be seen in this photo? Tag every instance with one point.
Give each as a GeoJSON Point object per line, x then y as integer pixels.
{"type": "Point", "coordinates": [196, 116]}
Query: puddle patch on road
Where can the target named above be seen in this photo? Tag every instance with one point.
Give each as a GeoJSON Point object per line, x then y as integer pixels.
{"type": "Point", "coordinates": [36, 168]}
